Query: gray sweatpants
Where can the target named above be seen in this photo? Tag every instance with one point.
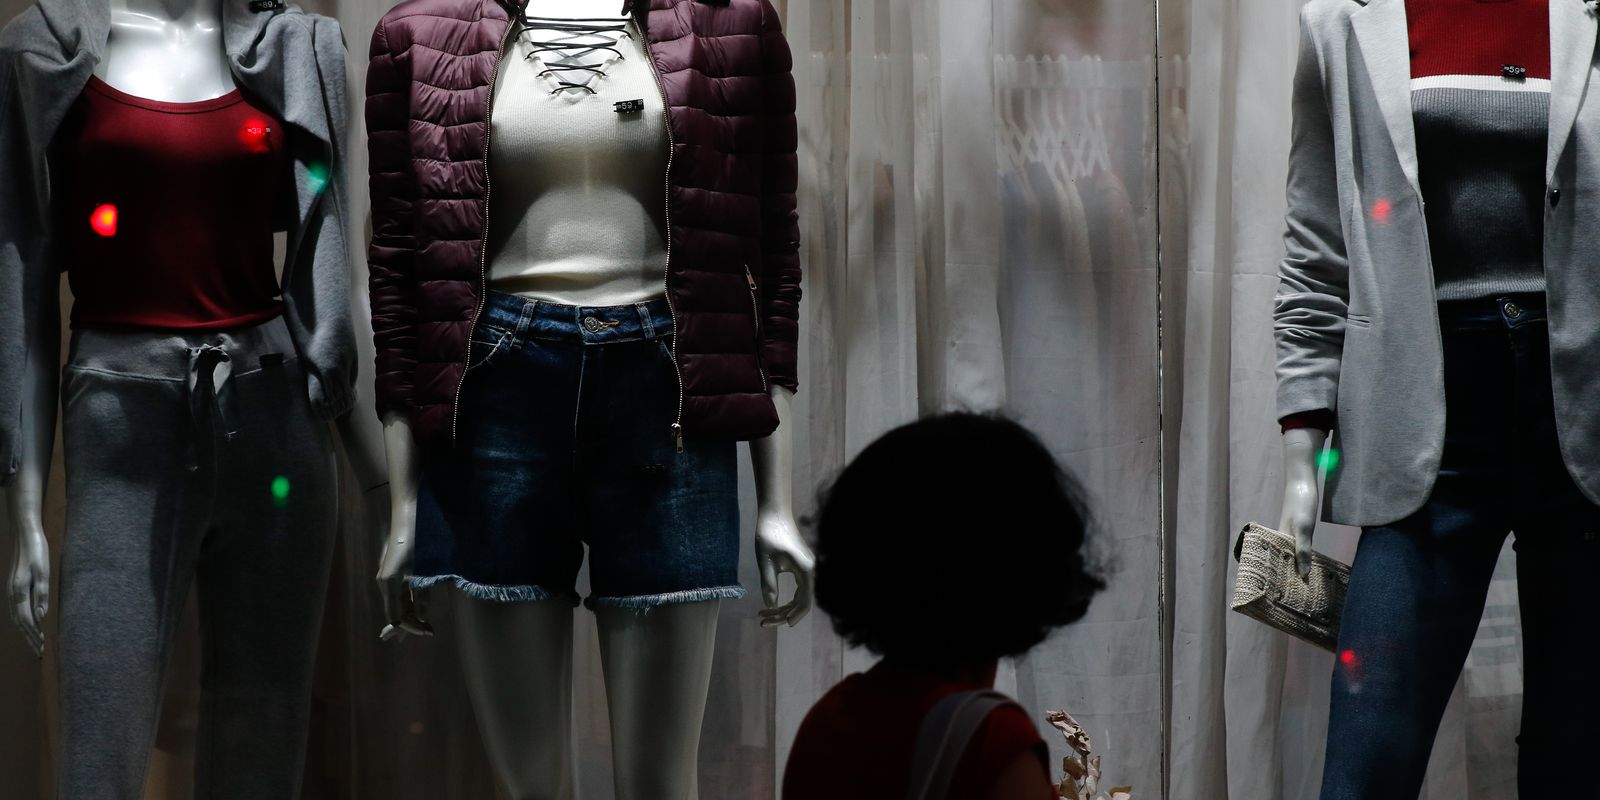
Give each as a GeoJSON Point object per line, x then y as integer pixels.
{"type": "Point", "coordinates": [191, 458]}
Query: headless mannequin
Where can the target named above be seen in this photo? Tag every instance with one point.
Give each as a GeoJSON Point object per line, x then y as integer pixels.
{"type": "Point", "coordinates": [1301, 496]}
{"type": "Point", "coordinates": [517, 657]}
{"type": "Point", "coordinates": [170, 51]}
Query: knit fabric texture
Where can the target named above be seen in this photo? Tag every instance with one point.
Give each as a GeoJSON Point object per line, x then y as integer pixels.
{"type": "Point", "coordinates": [1480, 91]}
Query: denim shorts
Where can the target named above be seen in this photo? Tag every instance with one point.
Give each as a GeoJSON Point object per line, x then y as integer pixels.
{"type": "Point", "coordinates": [564, 439]}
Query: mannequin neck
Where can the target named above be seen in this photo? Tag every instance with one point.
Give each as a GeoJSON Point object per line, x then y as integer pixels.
{"type": "Point", "coordinates": [166, 11]}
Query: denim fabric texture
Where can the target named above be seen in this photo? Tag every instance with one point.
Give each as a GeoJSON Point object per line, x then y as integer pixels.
{"type": "Point", "coordinates": [565, 440]}
{"type": "Point", "coordinates": [1418, 587]}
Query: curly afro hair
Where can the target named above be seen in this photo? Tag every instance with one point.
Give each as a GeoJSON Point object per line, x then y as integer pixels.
{"type": "Point", "coordinates": [954, 540]}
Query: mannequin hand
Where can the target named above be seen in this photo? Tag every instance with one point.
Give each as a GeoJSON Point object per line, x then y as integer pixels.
{"type": "Point", "coordinates": [30, 582]}
{"type": "Point", "coordinates": [1301, 447]}
{"type": "Point", "coordinates": [780, 549]}
{"type": "Point", "coordinates": [405, 609]}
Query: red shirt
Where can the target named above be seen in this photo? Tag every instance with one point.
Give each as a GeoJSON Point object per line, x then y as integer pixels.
{"type": "Point", "coordinates": [166, 210]}
{"type": "Point", "coordinates": [856, 742]}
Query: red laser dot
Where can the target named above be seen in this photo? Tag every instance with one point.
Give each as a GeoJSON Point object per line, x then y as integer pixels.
{"type": "Point", "coordinates": [104, 220]}
{"type": "Point", "coordinates": [1348, 658]}
{"type": "Point", "coordinates": [254, 135]}
{"type": "Point", "coordinates": [1381, 210]}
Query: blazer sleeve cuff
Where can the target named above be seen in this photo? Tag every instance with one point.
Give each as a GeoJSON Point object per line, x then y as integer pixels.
{"type": "Point", "coordinates": [332, 396]}
{"type": "Point", "coordinates": [1321, 419]}
{"type": "Point", "coordinates": [1307, 394]}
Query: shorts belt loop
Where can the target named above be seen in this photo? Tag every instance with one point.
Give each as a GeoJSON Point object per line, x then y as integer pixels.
{"type": "Point", "coordinates": [645, 320]}
{"type": "Point", "coordinates": [525, 322]}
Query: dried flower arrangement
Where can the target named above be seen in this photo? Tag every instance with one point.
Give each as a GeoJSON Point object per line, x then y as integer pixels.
{"type": "Point", "coordinates": [1083, 771]}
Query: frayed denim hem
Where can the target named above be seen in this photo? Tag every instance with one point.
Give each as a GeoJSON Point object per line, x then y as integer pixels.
{"type": "Point", "coordinates": [481, 591]}
{"type": "Point", "coordinates": [645, 602]}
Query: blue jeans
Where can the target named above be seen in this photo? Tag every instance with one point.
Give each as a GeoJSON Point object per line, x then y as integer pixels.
{"type": "Point", "coordinates": [1418, 586]}
{"type": "Point", "coordinates": [564, 440]}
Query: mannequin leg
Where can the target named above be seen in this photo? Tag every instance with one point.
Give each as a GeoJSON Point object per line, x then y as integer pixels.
{"type": "Point", "coordinates": [1417, 592]}
{"type": "Point", "coordinates": [1558, 566]}
{"type": "Point", "coordinates": [1557, 571]}
{"type": "Point", "coordinates": [263, 578]}
{"type": "Point", "coordinates": [126, 568]}
{"type": "Point", "coordinates": [657, 667]}
{"type": "Point", "coordinates": [517, 659]}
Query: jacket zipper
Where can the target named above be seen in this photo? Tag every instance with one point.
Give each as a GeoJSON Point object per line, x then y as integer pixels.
{"type": "Point", "coordinates": [755, 310]}
{"type": "Point", "coordinates": [666, 278]}
{"type": "Point", "coordinates": [483, 241]}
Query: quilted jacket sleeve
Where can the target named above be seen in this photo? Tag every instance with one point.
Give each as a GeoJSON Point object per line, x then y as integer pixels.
{"type": "Point", "coordinates": [1314, 277]}
{"type": "Point", "coordinates": [779, 222]}
{"type": "Point", "coordinates": [392, 254]}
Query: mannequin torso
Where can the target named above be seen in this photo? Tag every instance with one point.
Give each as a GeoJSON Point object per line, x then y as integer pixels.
{"type": "Point", "coordinates": [579, 216]}
{"type": "Point", "coordinates": [166, 50]}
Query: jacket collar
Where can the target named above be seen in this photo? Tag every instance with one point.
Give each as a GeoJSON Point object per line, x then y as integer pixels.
{"type": "Point", "coordinates": [1381, 31]}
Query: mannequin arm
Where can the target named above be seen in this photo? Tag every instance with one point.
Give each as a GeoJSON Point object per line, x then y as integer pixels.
{"type": "Point", "coordinates": [779, 546]}
{"type": "Point", "coordinates": [30, 563]}
{"type": "Point", "coordinates": [405, 610]}
{"type": "Point", "coordinates": [1301, 499]}
{"type": "Point", "coordinates": [364, 443]}
{"type": "Point", "coordinates": [360, 431]}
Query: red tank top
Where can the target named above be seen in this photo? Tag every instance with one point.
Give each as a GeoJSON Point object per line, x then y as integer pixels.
{"type": "Point", "coordinates": [165, 211]}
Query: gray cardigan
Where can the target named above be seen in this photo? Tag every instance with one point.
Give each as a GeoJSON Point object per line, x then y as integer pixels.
{"type": "Point", "coordinates": [1357, 322]}
{"type": "Point", "coordinates": [292, 63]}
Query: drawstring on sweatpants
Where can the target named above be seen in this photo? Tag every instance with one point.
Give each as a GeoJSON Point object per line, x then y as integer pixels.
{"type": "Point", "coordinates": [210, 384]}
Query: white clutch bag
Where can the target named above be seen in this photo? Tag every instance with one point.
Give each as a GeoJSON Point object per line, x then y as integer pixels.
{"type": "Point", "coordinates": [1268, 587]}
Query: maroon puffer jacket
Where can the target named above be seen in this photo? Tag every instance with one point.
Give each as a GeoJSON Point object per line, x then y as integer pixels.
{"type": "Point", "coordinates": [733, 275]}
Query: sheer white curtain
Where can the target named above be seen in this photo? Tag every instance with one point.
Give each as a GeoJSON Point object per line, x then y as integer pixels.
{"type": "Point", "coordinates": [1249, 706]}
{"type": "Point", "coordinates": [978, 203]}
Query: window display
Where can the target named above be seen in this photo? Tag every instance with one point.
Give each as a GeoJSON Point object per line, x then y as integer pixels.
{"type": "Point", "coordinates": [426, 379]}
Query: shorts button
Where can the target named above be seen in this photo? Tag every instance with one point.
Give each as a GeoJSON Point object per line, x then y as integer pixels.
{"type": "Point", "coordinates": [1513, 310]}
{"type": "Point", "coordinates": [592, 325]}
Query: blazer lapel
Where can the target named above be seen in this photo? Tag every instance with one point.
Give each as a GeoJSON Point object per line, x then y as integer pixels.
{"type": "Point", "coordinates": [1385, 42]}
{"type": "Point", "coordinates": [1572, 41]}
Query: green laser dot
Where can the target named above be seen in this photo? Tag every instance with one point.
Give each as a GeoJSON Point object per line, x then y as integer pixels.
{"type": "Point", "coordinates": [280, 489]}
{"type": "Point", "coordinates": [318, 174]}
{"type": "Point", "coordinates": [1328, 461]}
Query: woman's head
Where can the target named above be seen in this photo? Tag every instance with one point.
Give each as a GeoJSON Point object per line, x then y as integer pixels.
{"type": "Point", "coordinates": [953, 540]}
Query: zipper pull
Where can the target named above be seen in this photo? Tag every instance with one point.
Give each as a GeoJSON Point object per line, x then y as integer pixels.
{"type": "Point", "coordinates": [750, 277]}
{"type": "Point", "coordinates": [677, 436]}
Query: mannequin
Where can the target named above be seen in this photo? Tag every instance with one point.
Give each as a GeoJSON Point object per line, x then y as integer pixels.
{"type": "Point", "coordinates": [1436, 315]}
{"type": "Point", "coordinates": [167, 50]}
{"type": "Point", "coordinates": [656, 647]}
{"type": "Point", "coordinates": [248, 384]}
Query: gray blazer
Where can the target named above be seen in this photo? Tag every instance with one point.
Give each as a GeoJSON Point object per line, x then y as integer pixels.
{"type": "Point", "coordinates": [1356, 320]}
{"type": "Point", "coordinates": [291, 62]}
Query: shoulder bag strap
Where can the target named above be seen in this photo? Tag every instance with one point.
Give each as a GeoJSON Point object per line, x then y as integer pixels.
{"type": "Point", "coordinates": [946, 732]}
